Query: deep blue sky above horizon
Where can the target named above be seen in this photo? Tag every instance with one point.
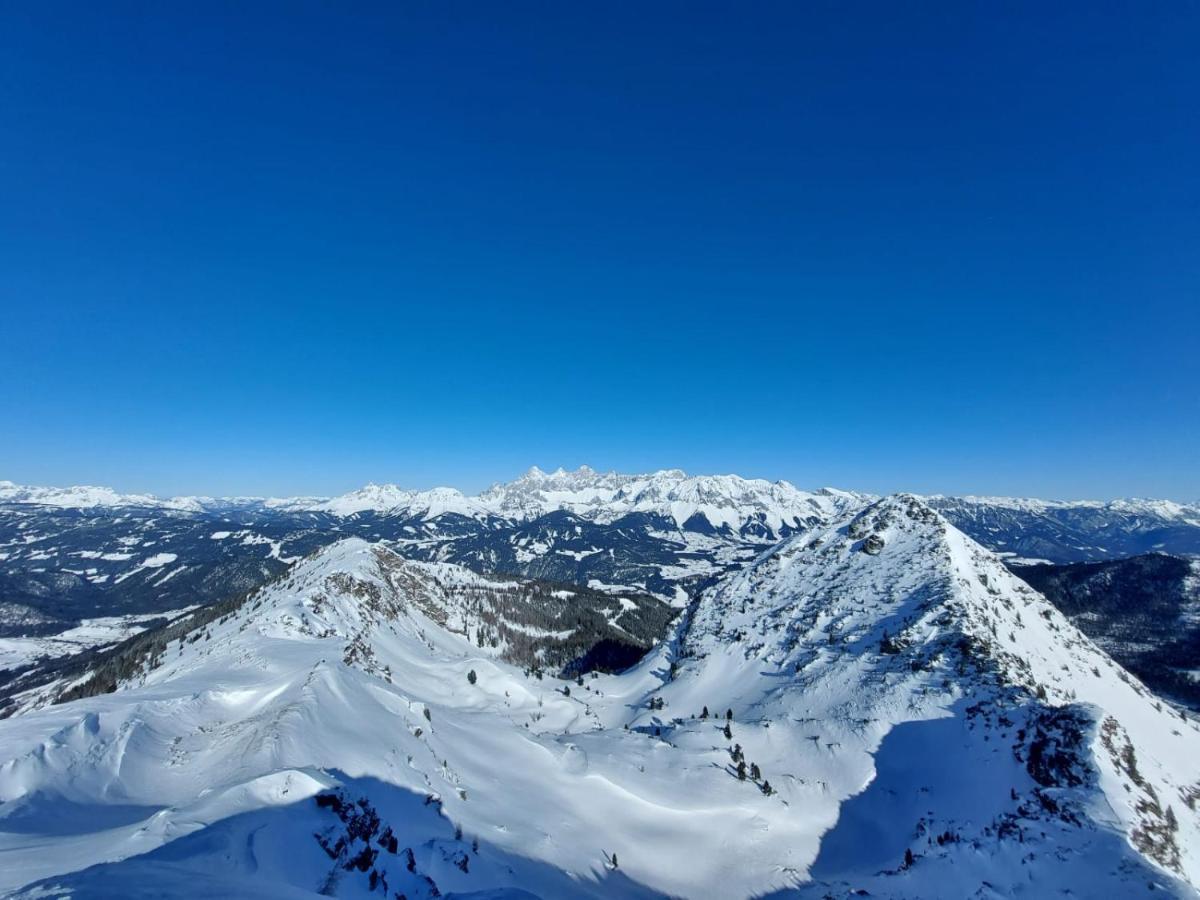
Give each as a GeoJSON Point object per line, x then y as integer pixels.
{"type": "Point", "coordinates": [282, 249]}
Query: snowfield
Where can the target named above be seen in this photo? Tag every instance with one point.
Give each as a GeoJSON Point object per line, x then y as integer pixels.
{"type": "Point", "coordinates": [874, 705]}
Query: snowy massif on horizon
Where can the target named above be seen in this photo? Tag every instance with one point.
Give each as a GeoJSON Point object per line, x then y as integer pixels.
{"type": "Point", "coordinates": [557, 489]}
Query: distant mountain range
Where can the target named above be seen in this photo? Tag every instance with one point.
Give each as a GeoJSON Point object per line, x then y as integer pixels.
{"type": "Point", "coordinates": [721, 500]}
{"type": "Point", "coordinates": [73, 555]}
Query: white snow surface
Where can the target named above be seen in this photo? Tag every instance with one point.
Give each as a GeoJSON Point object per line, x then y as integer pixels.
{"type": "Point", "coordinates": [840, 654]}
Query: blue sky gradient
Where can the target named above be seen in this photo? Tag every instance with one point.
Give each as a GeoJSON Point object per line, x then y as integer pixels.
{"type": "Point", "coordinates": [255, 248]}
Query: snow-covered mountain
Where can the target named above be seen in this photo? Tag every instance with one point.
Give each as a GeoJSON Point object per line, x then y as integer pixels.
{"type": "Point", "coordinates": [79, 554]}
{"type": "Point", "coordinates": [90, 497]}
{"type": "Point", "coordinates": [719, 500]}
{"type": "Point", "coordinates": [119, 555]}
{"type": "Point", "coordinates": [710, 501]}
{"type": "Point", "coordinates": [541, 626]}
{"type": "Point", "coordinates": [875, 705]}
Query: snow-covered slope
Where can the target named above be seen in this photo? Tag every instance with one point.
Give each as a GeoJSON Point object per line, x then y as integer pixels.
{"type": "Point", "coordinates": [992, 719]}
{"type": "Point", "coordinates": [890, 687]}
{"type": "Point", "coordinates": [541, 626]}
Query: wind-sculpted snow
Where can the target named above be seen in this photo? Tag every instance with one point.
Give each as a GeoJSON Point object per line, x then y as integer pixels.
{"type": "Point", "coordinates": [874, 705]}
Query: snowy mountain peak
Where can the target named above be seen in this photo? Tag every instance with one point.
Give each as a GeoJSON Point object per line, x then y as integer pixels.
{"type": "Point", "coordinates": [536, 474]}
{"type": "Point", "coordinates": [924, 622]}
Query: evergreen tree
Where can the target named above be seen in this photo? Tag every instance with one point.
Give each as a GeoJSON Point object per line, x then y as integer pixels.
{"type": "Point", "coordinates": [728, 732]}
{"type": "Point", "coordinates": [704, 713]}
{"type": "Point", "coordinates": [767, 789]}
{"type": "Point", "coordinates": [755, 772]}
{"type": "Point", "coordinates": [741, 771]}
{"type": "Point", "coordinates": [471, 676]}
{"type": "Point", "coordinates": [728, 715]}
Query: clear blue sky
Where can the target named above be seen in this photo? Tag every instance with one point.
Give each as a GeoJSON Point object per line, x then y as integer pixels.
{"type": "Point", "coordinates": [255, 248]}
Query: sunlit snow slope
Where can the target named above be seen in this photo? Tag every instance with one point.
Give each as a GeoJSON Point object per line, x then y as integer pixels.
{"type": "Point", "coordinates": [874, 705]}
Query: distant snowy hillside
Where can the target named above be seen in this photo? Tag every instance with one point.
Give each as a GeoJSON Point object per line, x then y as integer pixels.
{"type": "Point", "coordinates": [876, 705]}
{"type": "Point", "coordinates": [719, 500]}
{"type": "Point", "coordinates": [1075, 531]}
{"type": "Point", "coordinates": [88, 497]}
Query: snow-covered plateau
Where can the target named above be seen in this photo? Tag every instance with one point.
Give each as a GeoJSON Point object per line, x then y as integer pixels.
{"type": "Point", "coordinates": [871, 705]}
